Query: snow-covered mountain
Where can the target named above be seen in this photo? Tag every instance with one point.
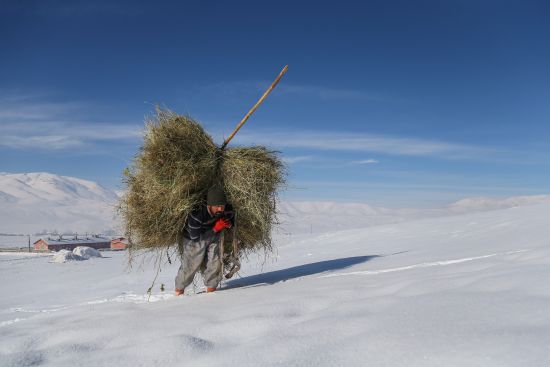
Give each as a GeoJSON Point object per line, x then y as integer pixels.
{"type": "Point", "coordinates": [46, 187]}
{"type": "Point", "coordinates": [321, 217]}
{"type": "Point", "coordinates": [31, 202]}
{"type": "Point", "coordinates": [483, 203]}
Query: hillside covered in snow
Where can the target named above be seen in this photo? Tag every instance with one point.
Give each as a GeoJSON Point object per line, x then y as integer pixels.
{"type": "Point", "coordinates": [34, 202]}
{"type": "Point", "coordinates": [469, 289]}
{"type": "Point", "coordinates": [312, 217]}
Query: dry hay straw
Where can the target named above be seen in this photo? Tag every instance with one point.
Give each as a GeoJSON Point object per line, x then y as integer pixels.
{"type": "Point", "coordinates": [252, 177]}
{"type": "Point", "coordinates": [174, 169]}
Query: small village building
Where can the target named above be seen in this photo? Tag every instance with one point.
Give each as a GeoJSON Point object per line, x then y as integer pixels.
{"type": "Point", "coordinates": [120, 243]}
{"type": "Point", "coordinates": [50, 244]}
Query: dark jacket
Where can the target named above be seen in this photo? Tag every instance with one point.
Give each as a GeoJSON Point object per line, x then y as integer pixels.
{"type": "Point", "coordinates": [200, 222]}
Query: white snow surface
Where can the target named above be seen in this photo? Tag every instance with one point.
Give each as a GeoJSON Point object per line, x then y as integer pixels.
{"type": "Point", "coordinates": [462, 290]}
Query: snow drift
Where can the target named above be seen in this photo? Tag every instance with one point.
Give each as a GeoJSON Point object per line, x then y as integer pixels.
{"type": "Point", "coordinates": [62, 256]}
{"type": "Point", "coordinates": [86, 252]}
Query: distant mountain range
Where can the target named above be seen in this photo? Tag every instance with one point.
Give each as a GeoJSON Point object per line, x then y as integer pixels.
{"type": "Point", "coordinates": [34, 202]}
{"type": "Point", "coordinates": [321, 217]}
{"type": "Point", "coordinates": [38, 202]}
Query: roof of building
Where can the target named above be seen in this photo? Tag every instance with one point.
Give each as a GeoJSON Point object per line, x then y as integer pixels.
{"type": "Point", "coordinates": [73, 241]}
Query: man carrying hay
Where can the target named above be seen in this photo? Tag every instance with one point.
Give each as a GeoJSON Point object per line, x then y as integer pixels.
{"type": "Point", "coordinates": [201, 242]}
{"type": "Point", "coordinates": [167, 181]}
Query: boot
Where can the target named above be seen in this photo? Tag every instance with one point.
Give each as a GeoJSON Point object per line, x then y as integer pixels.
{"type": "Point", "coordinates": [179, 292]}
{"type": "Point", "coordinates": [210, 290]}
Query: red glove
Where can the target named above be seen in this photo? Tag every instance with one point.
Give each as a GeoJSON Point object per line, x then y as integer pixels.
{"type": "Point", "coordinates": [221, 224]}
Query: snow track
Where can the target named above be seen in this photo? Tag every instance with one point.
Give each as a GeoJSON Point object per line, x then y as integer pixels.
{"type": "Point", "coordinates": [422, 265]}
{"type": "Point", "coordinates": [123, 298]}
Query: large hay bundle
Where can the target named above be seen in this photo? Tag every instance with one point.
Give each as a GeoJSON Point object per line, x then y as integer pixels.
{"type": "Point", "coordinates": [174, 169]}
{"type": "Point", "coordinates": [251, 178]}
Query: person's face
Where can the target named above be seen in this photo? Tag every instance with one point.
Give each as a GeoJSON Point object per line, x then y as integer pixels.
{"type": "Point", "coordinates": [216, 208]}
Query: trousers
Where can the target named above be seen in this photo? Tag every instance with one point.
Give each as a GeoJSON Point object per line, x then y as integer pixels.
{"type": "Point", "coordinates": [205, 250]}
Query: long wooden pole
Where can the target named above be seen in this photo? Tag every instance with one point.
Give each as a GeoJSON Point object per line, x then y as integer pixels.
{"type": "Point", "coordinates": [264, 96]}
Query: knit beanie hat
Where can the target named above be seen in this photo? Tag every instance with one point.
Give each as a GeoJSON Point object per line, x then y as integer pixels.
{"type": "Point", "coordinates": [215, 196]}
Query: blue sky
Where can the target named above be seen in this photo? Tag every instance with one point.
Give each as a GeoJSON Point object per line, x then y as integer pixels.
{"type": "Point", "coordinates": [396, 103]}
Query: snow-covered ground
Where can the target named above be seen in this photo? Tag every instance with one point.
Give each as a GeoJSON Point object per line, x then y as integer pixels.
{"type": "Point", "coordinates": [463, 290]}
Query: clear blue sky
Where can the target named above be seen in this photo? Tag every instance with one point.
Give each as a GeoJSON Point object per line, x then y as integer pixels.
{"type": "Point", "coordinates": [397, 103]}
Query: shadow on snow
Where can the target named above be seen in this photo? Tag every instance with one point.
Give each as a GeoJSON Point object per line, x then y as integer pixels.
{"type": "Point", "coordinates": [298, 271]}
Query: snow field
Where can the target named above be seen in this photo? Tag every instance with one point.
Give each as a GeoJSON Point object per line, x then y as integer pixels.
{"type": "Point", "coordinates": [468, 290]}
